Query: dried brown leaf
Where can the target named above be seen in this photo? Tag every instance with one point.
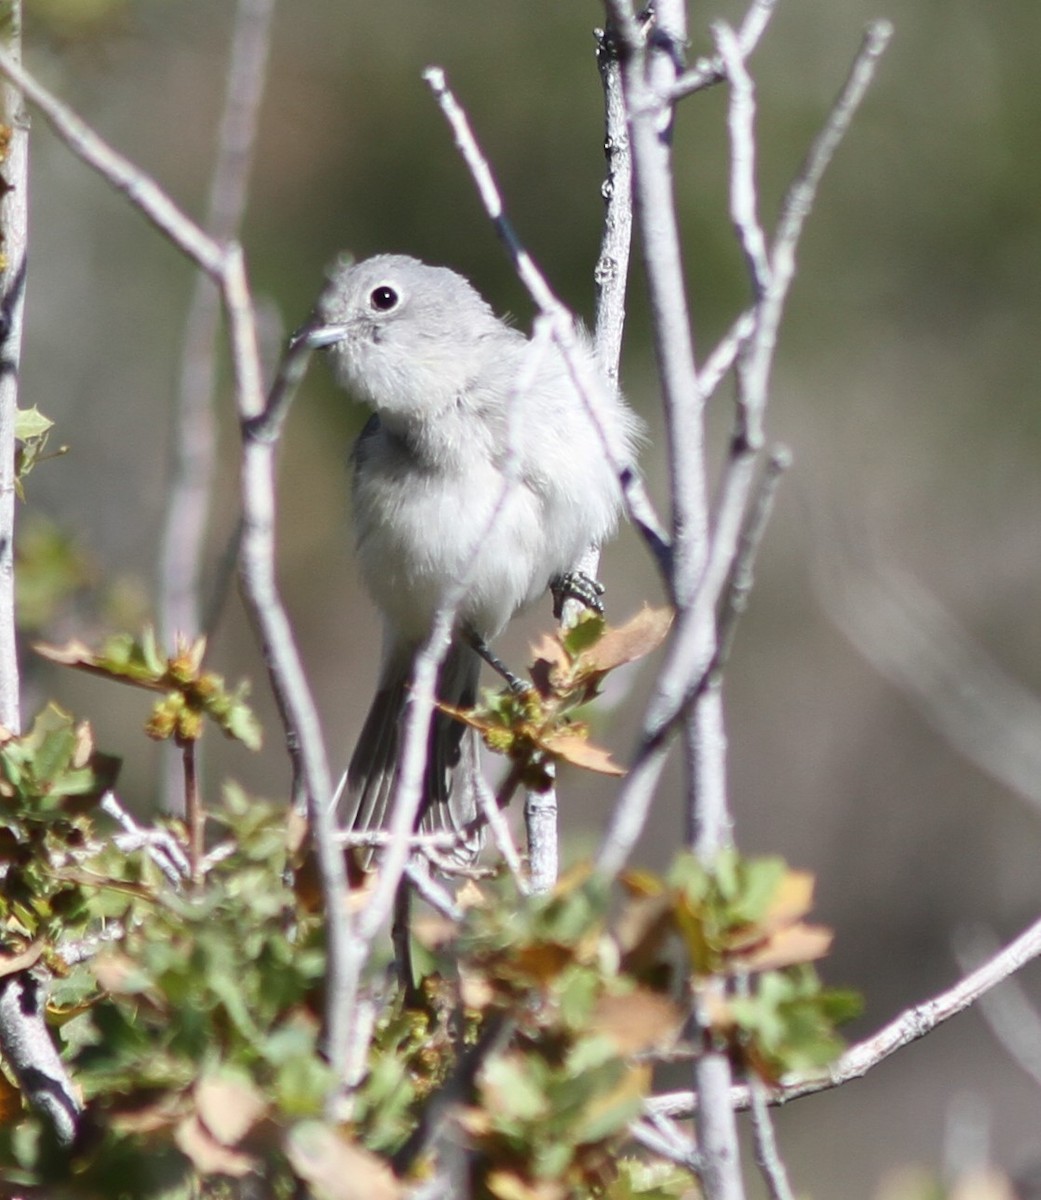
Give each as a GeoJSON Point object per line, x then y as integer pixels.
{"type": "Point", "coordinates": [11, 964]}
{"type": "Point", "coordinates": [228, 1107]}
{"type": "Point", "coordinates": [208, 1156]}
{"type": "Point", "coordinates": [800, 943]}
{"type": "Point", "coordinates": [638, 1020]}
{"type": "Point", "coordinates": [337, 1169]}
{"type": "Point", "coordinates": [575, 748]}
{"type": "Point", "coordinates": [626, 643]}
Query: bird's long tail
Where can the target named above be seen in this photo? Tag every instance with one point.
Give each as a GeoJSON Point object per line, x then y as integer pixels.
{"type": "Point", "coordinates": [451, 779]}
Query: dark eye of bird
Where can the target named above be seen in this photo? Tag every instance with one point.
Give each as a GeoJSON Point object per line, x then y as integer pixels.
{"type": "Point", "coordinates": [383, 298]}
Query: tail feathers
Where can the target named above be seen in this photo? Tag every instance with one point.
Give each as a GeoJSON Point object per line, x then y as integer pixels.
{"type": "Point", "coordinates": [449, 801]}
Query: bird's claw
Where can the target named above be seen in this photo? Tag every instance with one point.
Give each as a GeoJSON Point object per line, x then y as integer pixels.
{"type": "Point", "coordinates": [576, 585]}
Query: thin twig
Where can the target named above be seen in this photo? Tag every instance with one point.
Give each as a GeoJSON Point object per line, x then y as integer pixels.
{"type": "Point", "coordinates": [185, 528]}
{"type": "Point", "coordinates": [587, 381]}
{"type": "Point", "coordinates": [707, 72]}
{"type": "Point", "coordinates": [429, 890]}
{"type": "Point", "coordinates": [679, 1150]}
{"type": "Point", "coordinates": [257, 475]}
{"type": "Point", "coordinates": [1008, 1010]}
{"type": "Point", "coordinates": [142, 191]}
{"type": "Point", "coordinates": [162, 847]}
{"type": "Point", "coordinates": [408, 791]}
{"type": "Point", "coordinates": [744, 205]}
{"type": "Point", "coordinates": [910, 1025]}
{"type": "Point", "coordinates": [767, 1156]}
{"type": "Point", "coordinates": [492, 816]}
{"type": "Point", "coordinates": [195, 814]}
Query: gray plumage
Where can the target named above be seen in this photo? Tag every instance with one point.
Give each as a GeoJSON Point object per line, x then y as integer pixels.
{"type": "Point", "coordinates": [419, 346]}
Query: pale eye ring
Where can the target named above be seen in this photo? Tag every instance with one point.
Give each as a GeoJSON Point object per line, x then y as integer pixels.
{"type": "Point", "coordinates": [383, 298]}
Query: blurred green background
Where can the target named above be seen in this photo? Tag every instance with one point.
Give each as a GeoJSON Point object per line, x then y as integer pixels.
{"type": "Point", "coordinates": [906, 387]}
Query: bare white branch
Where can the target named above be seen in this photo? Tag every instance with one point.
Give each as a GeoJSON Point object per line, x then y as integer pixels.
{"type": "Point", "coordinates": [142, 191]}
{"type": "Point", "coordinates": [1008, 1010]}
{"type": "Point", "coordinates": [744, 205]}
{"type": "Point", "coordinates": [707, 72]}
{"type": "Point", "coordinates": [587, 381]}
{"type": "Point", "coordinates": [32, 1057]}
{"type": "Point", "coordinates": [767, 1156]}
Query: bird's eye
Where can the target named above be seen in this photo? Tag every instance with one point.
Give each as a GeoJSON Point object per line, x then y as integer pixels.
{"type": "Point", "coordinates": [383, 298]}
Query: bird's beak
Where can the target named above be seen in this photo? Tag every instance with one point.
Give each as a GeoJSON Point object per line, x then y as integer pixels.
{"type": "Point", "coordinates": [317, 337]}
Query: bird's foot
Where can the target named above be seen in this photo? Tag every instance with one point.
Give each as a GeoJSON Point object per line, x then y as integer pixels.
{"type": "Point", "coordinates": [576, 585]}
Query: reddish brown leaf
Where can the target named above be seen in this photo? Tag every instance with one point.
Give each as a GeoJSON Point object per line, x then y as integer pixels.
{"type": "Point", "coordinates": [575, 748]}
{"type": "Point", "coordinates": [228, 1107]}
{"type": "Point", "coordinates": [208, 1156]}
{"type": "Point", "coordinates": [337, 1169]}
{"type": "Point", "coordinates": [800, 943]}
{"type": "Point", "coordinates": [627, 643]}
{"type": "Point", "coordinates": [637, 1020]}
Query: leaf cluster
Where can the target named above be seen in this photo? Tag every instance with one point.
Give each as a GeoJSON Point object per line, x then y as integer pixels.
{"type": "Point", "coordinates": [194, 1038]}
{"type": "Point", "coordinates": [191, 692]}
{"type": "Point", "coordinates": [192, 1027]}
{"type": "Point", "coordinates": [742, 924]}
{"type": "Point", "coordinates": [537, 725]}
{"type": "Point", "coordinates": [50, 780]}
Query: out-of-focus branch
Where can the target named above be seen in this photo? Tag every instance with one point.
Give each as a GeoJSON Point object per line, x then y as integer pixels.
{"type": "Point", "coordinates": [911, 639]}
{"type": "Point", "coordinates": [195, 435]}
{"type": "Point", "coordinates": [226, 265]}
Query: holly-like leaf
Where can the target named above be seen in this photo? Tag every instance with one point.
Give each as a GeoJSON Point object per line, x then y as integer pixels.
{"type": "Point", "coordinates": [571, 745]}
{"type": "Point", "coordinates": [30, 423]}
{"type": "Point", "coordinates": [191, 692]}
{"type": "Point", "coordinates": [627, 643]}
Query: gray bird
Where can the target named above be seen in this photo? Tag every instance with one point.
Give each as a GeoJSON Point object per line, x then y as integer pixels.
{"type": "Point", "coordinates": [481, 464]}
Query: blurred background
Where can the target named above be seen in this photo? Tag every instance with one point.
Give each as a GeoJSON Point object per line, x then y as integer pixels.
{"type": "Point", "coordinates": [907, 388]}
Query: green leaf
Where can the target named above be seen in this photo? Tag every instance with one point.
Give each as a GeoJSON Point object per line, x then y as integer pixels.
{"type": "Point", "coordinates": [588, 631]}
{"type": "Point", "coordinates": [30, 423]}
